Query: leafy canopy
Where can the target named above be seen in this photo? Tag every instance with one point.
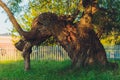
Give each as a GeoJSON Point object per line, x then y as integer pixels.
{"type": "Point", "coordinates": [108, 17]}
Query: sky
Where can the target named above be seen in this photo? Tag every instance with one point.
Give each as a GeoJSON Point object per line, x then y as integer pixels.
{"type": "Point", "coordinates": [5, 24]}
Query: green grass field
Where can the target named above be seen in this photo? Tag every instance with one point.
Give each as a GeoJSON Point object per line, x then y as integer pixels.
{"type": "Point", "coordinates": [54, 70]}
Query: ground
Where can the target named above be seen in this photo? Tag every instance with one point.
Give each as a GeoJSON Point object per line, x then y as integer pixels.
{"type": "Point", "coordinates": [54, 70]}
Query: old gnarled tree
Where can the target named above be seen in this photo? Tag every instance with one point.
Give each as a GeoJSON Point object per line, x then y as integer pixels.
{"type": "Point", "coordinates": [78, 39]}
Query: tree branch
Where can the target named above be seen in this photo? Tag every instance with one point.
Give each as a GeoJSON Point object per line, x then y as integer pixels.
{"type": "Point", "coordinates": [12, 18]}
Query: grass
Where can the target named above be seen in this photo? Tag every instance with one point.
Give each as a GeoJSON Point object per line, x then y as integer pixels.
{"type": "Point", "coordinates": [54, 70]}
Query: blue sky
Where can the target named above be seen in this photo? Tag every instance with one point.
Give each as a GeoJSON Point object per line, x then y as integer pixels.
{"type": "Point", "coordinates": [5, 24]}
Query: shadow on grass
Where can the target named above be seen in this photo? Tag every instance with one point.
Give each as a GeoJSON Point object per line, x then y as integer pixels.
{"type": "Point", "coordinates": [96, 72]}
{"type": "Point", "coordinates": [55, 70]}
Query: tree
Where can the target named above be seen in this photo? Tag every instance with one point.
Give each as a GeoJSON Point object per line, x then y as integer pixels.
{"type": "Point", "coordinates": [78, 39]}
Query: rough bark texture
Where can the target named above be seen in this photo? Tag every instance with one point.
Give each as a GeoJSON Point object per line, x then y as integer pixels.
{"type": "Point", "coordinates": [79, 39]}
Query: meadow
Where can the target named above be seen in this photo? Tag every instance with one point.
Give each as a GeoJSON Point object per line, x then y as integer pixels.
{"type": "Point", "coordinates": [54, 70]}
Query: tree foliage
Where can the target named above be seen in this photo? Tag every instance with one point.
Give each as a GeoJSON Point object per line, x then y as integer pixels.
{"type": "Point", "coordinates": [107, 17]}
{"type": "Point", "coordinates": [78, 39]}
{"type": "Point", "coordinates": [14, 6]}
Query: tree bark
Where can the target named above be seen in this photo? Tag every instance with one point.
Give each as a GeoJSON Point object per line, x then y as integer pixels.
{"type": "Point", "coordinates": [79, 39]}
{"type": "Point", "coordinates": [27, 62]}
{"type": "Point", "coordinates": [26, 55]}
{"type": "Point", "coordinates": [16, 25]}
{"type": "Point", "coordinates": [12, 18]}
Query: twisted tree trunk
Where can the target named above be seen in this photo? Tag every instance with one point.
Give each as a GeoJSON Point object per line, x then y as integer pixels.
{"type": "Point", "coordinates": [79, 39]}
